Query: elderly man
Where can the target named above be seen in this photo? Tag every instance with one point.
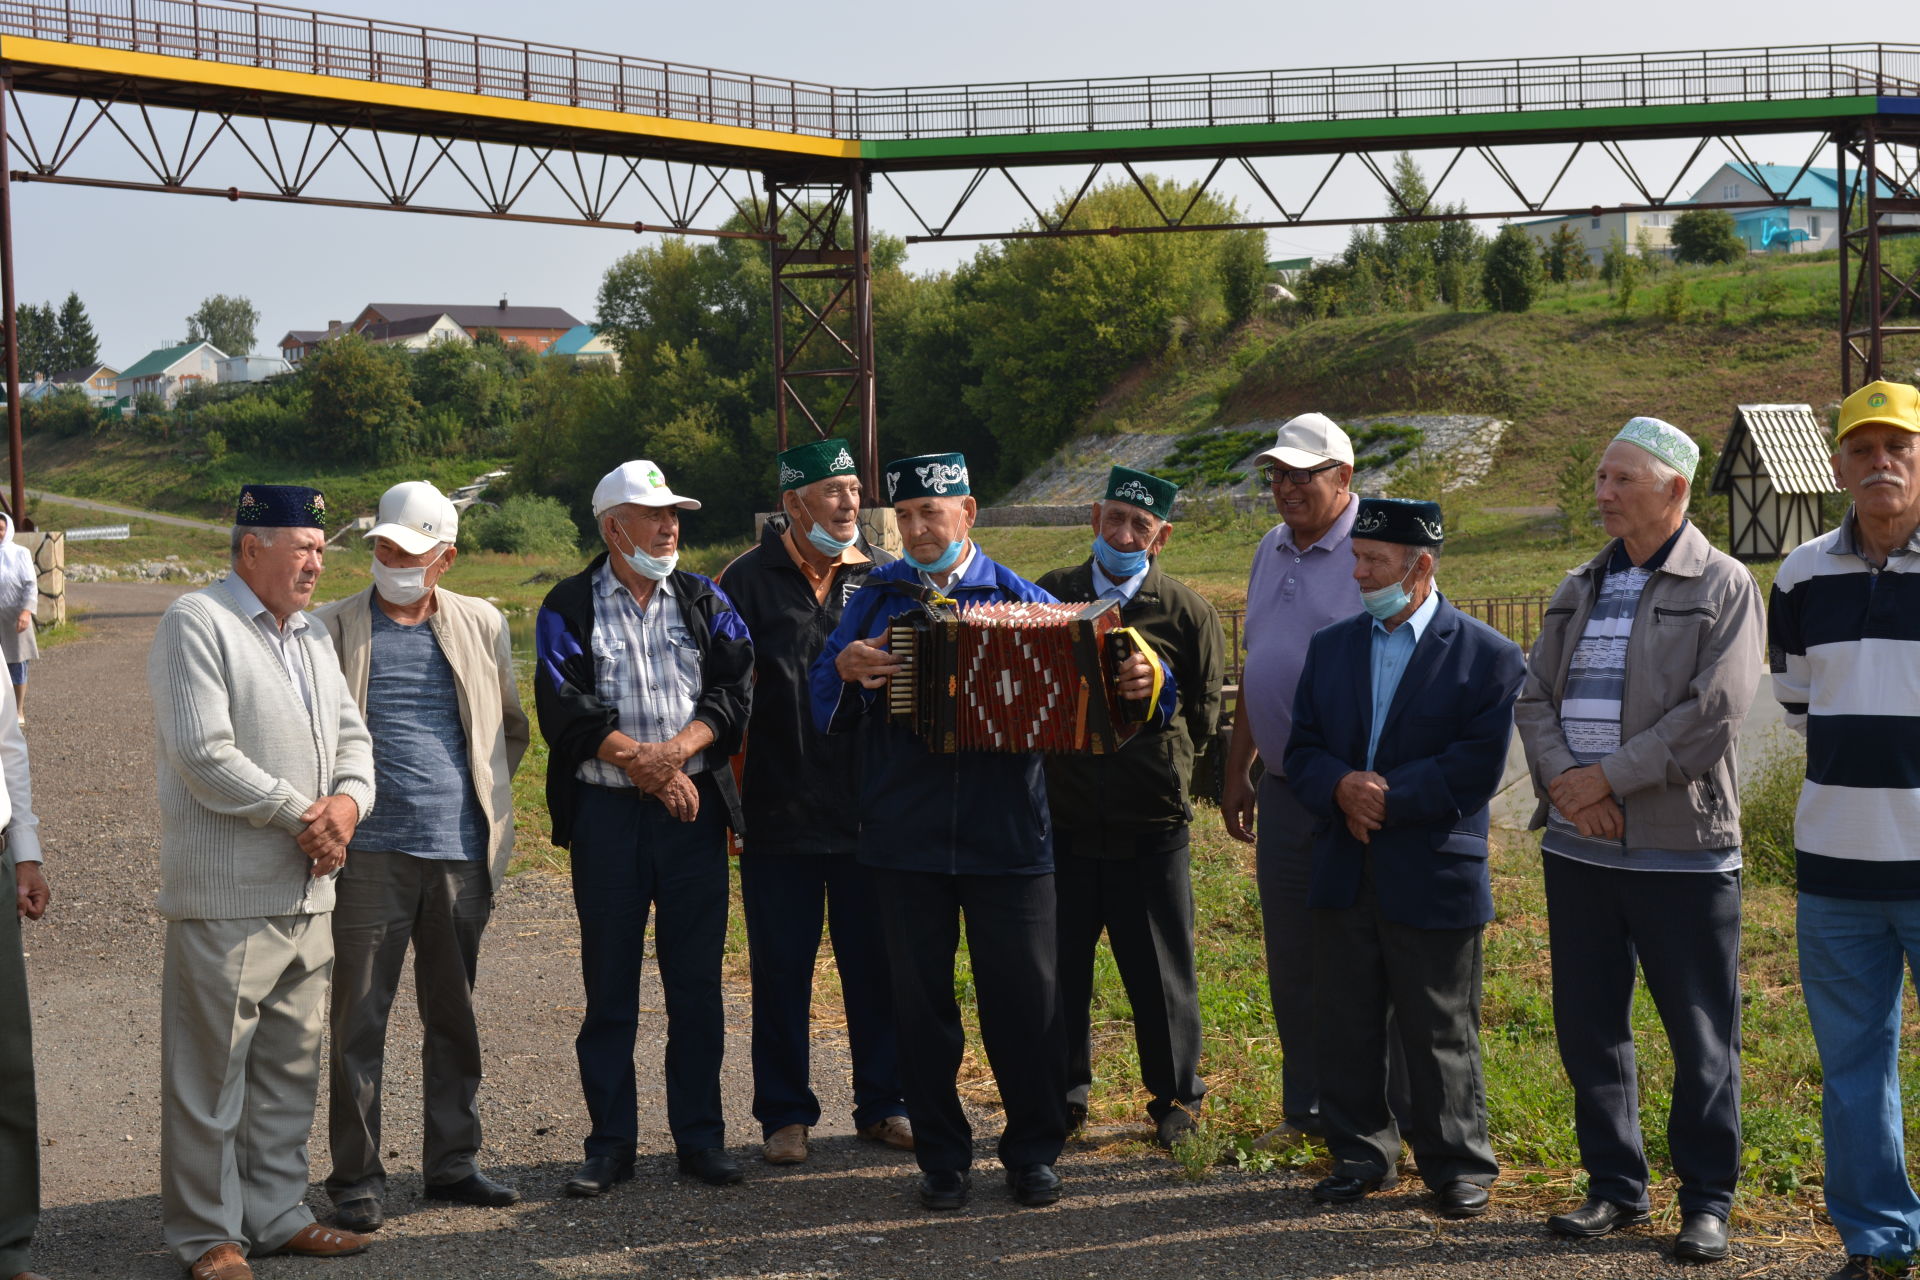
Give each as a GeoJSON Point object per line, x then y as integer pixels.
{"type": "Point", "coordinates": [1840, 625]}
{"type": "Point", "coordinates": [1400, 735]}
{"type": "Point", "coordinates": [798, 793]}
{"type": "Point", "coordinates": [643, 683]}
{"type": "Point", "coordinates": [24, 886]}
{"type": "Point", "coordinates": [951, 836]}
{"type": "Point", "coordinates": [1645, 666]}
{"type": "Point", "coordinates": [432, 672]}
{"type": "Point", "coordinates": [265, 773]}
{"type": "Point", "coordinates": [1301, 581]}
{"type": "Point", "coordinates": [1120, 852]}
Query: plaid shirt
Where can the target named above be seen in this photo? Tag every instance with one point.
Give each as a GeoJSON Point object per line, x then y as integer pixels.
{"type": "Point", "coordinates": [645, 663]}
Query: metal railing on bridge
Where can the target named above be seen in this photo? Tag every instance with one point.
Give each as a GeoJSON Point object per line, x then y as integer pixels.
{"type": "Point", "coordinates": [301, 40]}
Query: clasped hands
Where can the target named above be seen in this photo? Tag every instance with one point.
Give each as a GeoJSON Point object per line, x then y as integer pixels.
{"type": "Point", "coordinates": [654, 767]}
{"type": "Point", "coordinates": [329, 821]}
{"type": "Point", "coordinates": [1362, 797]}
{"type": "Point", "coordinates": [870, 665]}
{"type": "Point", "coordinates": [1584, 797]}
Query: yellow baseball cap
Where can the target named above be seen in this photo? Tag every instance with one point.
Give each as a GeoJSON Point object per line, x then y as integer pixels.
{"type": "Point", "coordinates": [1895, 403]}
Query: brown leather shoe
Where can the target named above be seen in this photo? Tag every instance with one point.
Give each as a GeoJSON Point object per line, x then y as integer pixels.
{"type": "Point", "coordinates": [786, 1145]}
{"type": "Point", "coordinates": [222, 1262]}
{"type": "Point", "coordinates": [316, 1241]}
{"type": "Point", "coordinates": [894, 1131]}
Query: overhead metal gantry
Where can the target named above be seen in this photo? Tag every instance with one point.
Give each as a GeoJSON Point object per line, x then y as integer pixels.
{"type": "Point", "coordinates": [261, 102]}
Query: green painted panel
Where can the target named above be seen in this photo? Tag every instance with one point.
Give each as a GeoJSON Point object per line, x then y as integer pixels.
{"type": "Point", "coordinates": [1336, 132]}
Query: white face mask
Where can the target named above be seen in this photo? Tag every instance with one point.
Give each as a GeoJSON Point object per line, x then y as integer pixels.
{"type": "Point", "coordinates": [402, 586]}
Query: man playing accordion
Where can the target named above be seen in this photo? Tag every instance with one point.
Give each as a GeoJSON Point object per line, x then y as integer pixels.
{"type": "Point", "coordinates": [957, 835]}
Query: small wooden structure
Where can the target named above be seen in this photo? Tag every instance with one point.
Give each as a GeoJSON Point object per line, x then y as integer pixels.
{"type": "Point", "coordinates": [1774, 469]}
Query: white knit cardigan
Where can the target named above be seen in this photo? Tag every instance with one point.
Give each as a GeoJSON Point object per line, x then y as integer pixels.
{"type": "Point", "coordinates": [241, 758]}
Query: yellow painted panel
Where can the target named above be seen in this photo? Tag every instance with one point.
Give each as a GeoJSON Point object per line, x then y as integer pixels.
{"type": "Point", "coordinates": [121, 62]}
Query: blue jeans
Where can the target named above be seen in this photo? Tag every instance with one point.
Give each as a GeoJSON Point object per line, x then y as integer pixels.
{"type": "Point", "coordinates": [1851, 955]}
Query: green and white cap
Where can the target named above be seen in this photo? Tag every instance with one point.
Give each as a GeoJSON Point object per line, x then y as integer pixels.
{"type": "Point", "coordinates": [1148, 492]}
{"type": "Point", "coordinates": [805, 463]}
{"type": "Point", "coordinates": [1664, 441]}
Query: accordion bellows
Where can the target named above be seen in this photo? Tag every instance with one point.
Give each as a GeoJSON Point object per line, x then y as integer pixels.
{"type": "Point", "coordinates": [1012, 676]}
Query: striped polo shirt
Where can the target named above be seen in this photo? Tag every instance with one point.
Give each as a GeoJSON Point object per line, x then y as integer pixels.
{"type": "Point", "coordinates": [1844, 639]}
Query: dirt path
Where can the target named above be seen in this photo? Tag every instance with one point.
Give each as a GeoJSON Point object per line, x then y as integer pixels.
{"type": "Point", "coordinates": [851, 1212]}
{"type": "Point", "coordinates": [88, 504]}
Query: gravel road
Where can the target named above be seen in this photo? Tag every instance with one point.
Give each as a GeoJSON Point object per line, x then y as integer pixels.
{"type": "Point", "coordinates": [850, 1212]}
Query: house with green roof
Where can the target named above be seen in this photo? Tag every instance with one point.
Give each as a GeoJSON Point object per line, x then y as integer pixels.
{"type": "Point", "coordinates": [170, 370]}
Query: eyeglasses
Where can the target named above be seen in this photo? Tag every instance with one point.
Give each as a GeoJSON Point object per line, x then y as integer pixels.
{"type": "Point", "coordinates": [1270, 474]}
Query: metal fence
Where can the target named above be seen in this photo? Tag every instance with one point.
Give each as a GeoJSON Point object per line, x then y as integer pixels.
{"type": "Point", "coordinates": [1516, 617]}
{"type": "Point", "coordinates": [302, 40]}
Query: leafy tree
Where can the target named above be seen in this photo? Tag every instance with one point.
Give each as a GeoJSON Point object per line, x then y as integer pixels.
{"type": "Point", "coordinates": [1621, 269]}
{"type": "Point", "coordinates": [1243, 274]}
{"type": "Point", "coordinates": [1511, 275]}
{"type": "Point", "coordinates": [525, 524]}
{"type": "Point", "coordinates": [1707, 235]}
{"type": "Point", "coordinates": [360, 403]}
{"type": "Point", "coordinates": [1565, 256]}
{"type": "Point", "coordinates": [79, 345]}
{"type": "Point", "coordinates": [228, 323]}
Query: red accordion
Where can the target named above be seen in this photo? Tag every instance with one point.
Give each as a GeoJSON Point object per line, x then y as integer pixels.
{"type": "Point", "coordinates": [1015, 676]}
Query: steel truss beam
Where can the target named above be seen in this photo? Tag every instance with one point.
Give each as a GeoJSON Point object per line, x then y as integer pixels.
{"type": "Point", "coordinates": [232, 155]}
{"type": "Point", "coordinates": [1879, 163]}
{"type": "Point", "coordinates": [1065, 217]}
{"type": "Point", "coordinates": [823, 310]}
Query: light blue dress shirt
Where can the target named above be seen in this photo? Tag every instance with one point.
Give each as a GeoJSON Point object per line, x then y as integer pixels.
{"type": "Point", "coordinates": [1105, 588]}
{"type": "Point", "coordinates": [1391, 652]}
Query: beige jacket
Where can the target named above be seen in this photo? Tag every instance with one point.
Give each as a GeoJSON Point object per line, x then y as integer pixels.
{"type": "Point", "coordinates": [1693, 662]}
{"type": "Point", "coordinates": [473, 636]}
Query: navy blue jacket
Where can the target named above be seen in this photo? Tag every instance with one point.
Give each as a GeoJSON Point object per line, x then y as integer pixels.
{"type": "Point", "coordinates": [970, 813]}
{"type": "Point", "coordinates": [575, 721]}
{"type": "Point", "coordinates": [1443, 752]}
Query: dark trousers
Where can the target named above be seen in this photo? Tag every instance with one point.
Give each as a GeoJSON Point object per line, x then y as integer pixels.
{"type": "Point", "coordinates": [786, 898]}
{"type": "Point", "coordinates": [630, 855]}
{"type": "Point", "coordinates": [384, 902]}
{"type": "Point", "coordinates": [1145, 905]}
{"type": "Point", "coordinates": [1429, 981]}
{"type": "Point", "coordinates": [1010, 939]}
{"type": "Point", "coordinates": [1684, 930]}
{"type": "Point", "coordinates": [19, 1135]}
{"type": "Point", "coordinates": [1283, 866]}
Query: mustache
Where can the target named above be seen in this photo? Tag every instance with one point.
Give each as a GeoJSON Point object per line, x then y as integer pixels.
{"type": "Point", "coordinates": [1880, 478]}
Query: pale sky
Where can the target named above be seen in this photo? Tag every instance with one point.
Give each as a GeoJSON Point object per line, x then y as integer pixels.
{"type": "Point", "coordinates": [142, 262]}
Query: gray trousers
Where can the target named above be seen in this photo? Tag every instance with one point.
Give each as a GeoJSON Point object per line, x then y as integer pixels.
{"type": "Point", "coordinates": [383, 902]}
{"type": "Point", "coordinates": [240, 1011]}
{"type": "Point", "coordinates": [1283, 866]}
{"type": "Point", "coordinates": [19, 1136]}
{"type": "Point", "coordinates": [1381, 982]}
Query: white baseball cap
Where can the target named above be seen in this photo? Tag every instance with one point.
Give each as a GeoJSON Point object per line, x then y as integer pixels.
{"type": "Point", "coordinates": [638, 482]}
{"type": "Point", "coordinates": [1309, 440]}
{"type": "Point", "coordinates": [416, 517]}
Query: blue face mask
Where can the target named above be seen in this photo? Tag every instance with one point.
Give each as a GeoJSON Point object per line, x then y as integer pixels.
{"type": "Point", "coordinates": [1384, 602]}
{"type": "Point", "coordinates": [823, 542]}
{"type": "Point", "coordinates": [1119, 565]}
{"type": "Point", "coordinates": [653, 567]}
{"type": "Point", "coordinates": [947, 560]}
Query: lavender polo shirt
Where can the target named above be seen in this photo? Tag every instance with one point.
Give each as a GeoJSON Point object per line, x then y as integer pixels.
{"type": "Point", "coordinates": [1291, 593]}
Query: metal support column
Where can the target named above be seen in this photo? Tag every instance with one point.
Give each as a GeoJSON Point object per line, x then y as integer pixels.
{"type": "Point", "coordinates": [823, 310]}
{"type": "Point", "coordinates": [1879, 293]}
{"type": "Point", "coordinates": [17, 501]}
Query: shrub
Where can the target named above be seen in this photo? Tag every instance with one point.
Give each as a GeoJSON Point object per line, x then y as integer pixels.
{"type": "Point", "coordinates": [1573, 490]}
{"type": "Point", "coordinates": [67, 412]}
{"type": "Point", "coordinates": [1769, 798]}
{"type": "Point", "coordinates": [1707, 235]}
{"type": "Point", "coordinates": [1510, 277]}
{"type": "Point", "coordinates": [525, 524]}
{"type": "Point", "coordinates": [1675, 301]}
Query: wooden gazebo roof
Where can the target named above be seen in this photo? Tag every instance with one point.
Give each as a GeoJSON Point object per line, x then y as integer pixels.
{"type": "Point", "coordinates": [1792, 445]}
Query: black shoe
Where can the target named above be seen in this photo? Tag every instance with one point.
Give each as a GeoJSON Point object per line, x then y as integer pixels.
{"type": "Point", "coordinates": [1595, 1218]}
{"type": "Point", "coordinates": [1340, 1189]}
{"type": "Point", "coordinates": [1173, 1126]}
{"type": "Point", "coordinates": [597, 1175]}
{"type": "Point", "coordinates": [1034, 1184]}
{"type": "Point", "coordinates": [359, 1215]}
{"type": "Point", "coordinates": [1462, 1199]}
{"type": "Point", "coordinates": [944, 1188]}
{"type": "Point", "coordinates": [712, 1165]}
{"type": "Point", "coordinates": [475, 1189]}
{"type": "Point", "coordinates": [1702, 1238]}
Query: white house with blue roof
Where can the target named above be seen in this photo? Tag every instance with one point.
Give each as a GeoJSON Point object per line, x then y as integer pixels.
{"type": "Point", "coordinates": [1779, 228]}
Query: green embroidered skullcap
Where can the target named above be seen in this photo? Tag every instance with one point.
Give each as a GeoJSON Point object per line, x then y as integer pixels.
{"type": "Point", "coordinates": [1149, 493]}
{"type": "Point", "coordinates": [1664, 441]}
{"type": "Point", "coordinates": [805, 463]}
{"type": "Point", "coordinates": [931, 475]}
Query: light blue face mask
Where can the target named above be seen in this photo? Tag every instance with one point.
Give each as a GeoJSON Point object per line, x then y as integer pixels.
{"type": "Point", "coordinates": [947, 560]}
{"type": "Point", "coordinates": [1119, 565]}
{"type": "Point", "coordinates": [1384, 602]}
{"type": "Point", "coordinates": [654, 567]}
{"type": "Point", "coordinates": [823, 542]}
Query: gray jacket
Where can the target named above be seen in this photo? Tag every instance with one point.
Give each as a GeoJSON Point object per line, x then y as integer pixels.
{"type": "Point", "coordinates": [1693, 662]}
